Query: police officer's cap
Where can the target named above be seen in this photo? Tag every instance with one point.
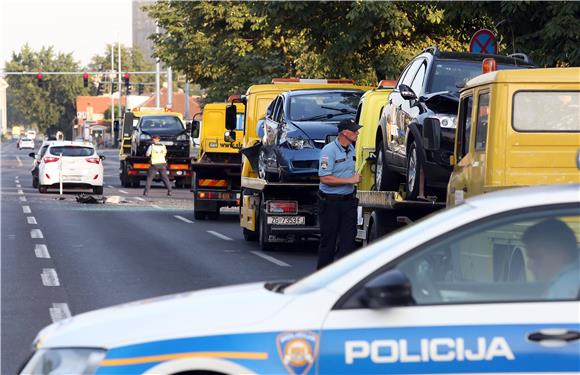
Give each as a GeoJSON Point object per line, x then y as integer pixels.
{"type": "Point", "coordinates": [348, 124]}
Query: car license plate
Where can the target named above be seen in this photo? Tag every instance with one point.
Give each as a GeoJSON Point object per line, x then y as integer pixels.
{"type": "Point", "coordinates": [167, 143]}
{"type": "Point", "coordinates": [286, 220]}
{"type": "Point", "coordinates": [71, 178]}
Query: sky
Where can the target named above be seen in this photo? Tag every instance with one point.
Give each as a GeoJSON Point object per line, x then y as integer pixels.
{"type": "Point", "coordinates": [81, 27]}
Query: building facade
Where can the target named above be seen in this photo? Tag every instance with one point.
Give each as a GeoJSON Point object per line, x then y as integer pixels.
{"type": "Point", "coordinates": [143, 27]}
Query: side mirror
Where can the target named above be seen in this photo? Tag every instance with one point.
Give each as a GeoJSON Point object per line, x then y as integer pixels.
{"type": "Point", "coordinates": [231, 112]}
{"type": "Point", "coordinates": [431, 134]}
{"type": "Point", "coordinates": [32, 155]}
{"type": "Point", "coordinates": [102, 157]}
{"type": "Point", "coordinates": [407, 93]}
{"type": "Point", "coordinates": [452, 160]}
{"type": "Point", "coordinates": [391, 288]}
{"type": "Point", "coordinates": [195, 127]}
{"type": "Point", "coordinates": [230, 136]}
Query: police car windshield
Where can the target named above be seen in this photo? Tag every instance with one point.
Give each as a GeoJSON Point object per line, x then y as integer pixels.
{"type": "Point", "coordinates": [342, 267]}
{"type": "Point", "coordinates": [323, 106]}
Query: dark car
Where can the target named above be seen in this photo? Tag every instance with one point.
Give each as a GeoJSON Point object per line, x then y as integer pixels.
{"type": "Point", "coordinates": [37, 157]}
{"type": "Point", "coordinates": [425, 99]}
{"type": "Point", "coordinates": [297, 125]}
{"type": "Point", "coordinates": [169, 128]}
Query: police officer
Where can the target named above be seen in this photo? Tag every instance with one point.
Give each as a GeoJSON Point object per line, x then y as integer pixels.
{"type": "Point", "coordinates": [157, 152]}
{"type": "Point", "coordinates": [338, 203]}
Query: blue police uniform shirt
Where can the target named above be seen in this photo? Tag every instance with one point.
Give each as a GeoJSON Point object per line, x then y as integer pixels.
{"type": "Point", "coordinates": [338, 162]}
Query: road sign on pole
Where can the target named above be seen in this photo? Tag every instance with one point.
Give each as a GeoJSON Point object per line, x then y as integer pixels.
{"type": "Point", "coordinates": [483, 41]}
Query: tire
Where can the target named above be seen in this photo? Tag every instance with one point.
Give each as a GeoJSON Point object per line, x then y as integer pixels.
{"type": "Point", "coordinates": [249, 235]}
{"type": "Point", "coordinates": [385, 179]}
{"type": "Point", "coordinates": [98, 190]}
{"type": "Point", "coordinates": [381, 224]}
{"type": "Point", "coordinates": [262, 173]}
{"type": "Point", "coordinates": [414, 168]}
{"type": "Point", "coordinates": [42, 189]}
{"type": "Point", "coordinates": [263, 232]}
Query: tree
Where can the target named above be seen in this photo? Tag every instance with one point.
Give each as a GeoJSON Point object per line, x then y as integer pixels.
{"type": "Point", "coordinates": [132, 60]}
{"type": "Point", "coordinates": [51, 106]}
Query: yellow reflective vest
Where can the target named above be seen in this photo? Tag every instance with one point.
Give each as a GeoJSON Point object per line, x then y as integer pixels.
{"type": "Point", "coordinates": [157, 153]}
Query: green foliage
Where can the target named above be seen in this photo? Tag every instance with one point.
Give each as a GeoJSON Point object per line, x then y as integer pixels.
{"type": "Point", "coordinates": [107, 113]}
{"type": "Point", "coordinates": [225, 46]}
{"type": "Point", "coordinates": [132, 60]}
{"type": "Point", "coordinates": [52, 106]}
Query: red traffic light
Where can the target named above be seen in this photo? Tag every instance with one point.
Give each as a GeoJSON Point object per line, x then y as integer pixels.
{"type": "Point", "coordinates": [39, 76]}
{"type": "Point", "coordinates": [39, 82]}
{"type": "Point", "coordinates": [86, 79]}
{"type": "Point", "coordinates": [85, 75]}
{"type": "Point", "coordinates": [126, 75]}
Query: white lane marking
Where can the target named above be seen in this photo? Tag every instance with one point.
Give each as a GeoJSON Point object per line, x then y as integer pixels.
{"type": "Point", "coordinates": [36, 233]}
{"type": "Point", "coordinates": [20, 192]}
{"type": "Point", "coordinates": [18, 185]}
{"type": "Point", "coordinates": [270, 258]}
{"type": "Point", "coordinates": [59, 311]}
{"type": "Point", "coordinates": [31, 220]}
{"type": "Point", "coordinates": [156, 206]}
{"type": "Point", "coordinates": [110, 186]}
{"type": "Point", "coordinates": [219, 235]}
{"type": "Point", "coordinates": [23, 199]}
{"type": "Point", "coordinates": [49, 277]}
{"type": "Point", "coordinates": [26, 209]}
{"type": "Point", "coordinates": [41, 251]}
{"type": "Point", "coordinates": [123, 191]}
{"type": "Point", "coordinates": [183, 219]}
{"type": "Point", "coordinates": [140, 199]}
{"type": "Point", "coordinates": [19, 161]}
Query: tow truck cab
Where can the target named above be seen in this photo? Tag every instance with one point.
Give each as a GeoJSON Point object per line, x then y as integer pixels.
{"type": "Point", "coordinates": [516, 128]}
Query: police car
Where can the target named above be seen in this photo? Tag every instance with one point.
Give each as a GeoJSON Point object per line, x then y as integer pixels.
{"type": "Point", "coordinates": [459, 292]}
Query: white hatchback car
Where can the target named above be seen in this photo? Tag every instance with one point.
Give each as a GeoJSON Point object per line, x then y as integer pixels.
{"type": "Point", "coordinates": [26, 143]}
{"type": "Point", "coordinates": [77, 164]}
{"type": "Point", "coordinates": [489, 286]}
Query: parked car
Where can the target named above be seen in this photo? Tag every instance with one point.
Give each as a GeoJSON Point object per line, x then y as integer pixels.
{"type": "Point", "coordinates": [77, 163]}
{"type": "Point", "coordinates": [297, 125]}
{"type": "Point", "coordinates": [37, 157]}
{"type": "Point", "coordinates": [25, 143]}
{"type": "Point", "coordinates": [488, 286]}
{"type": "Point", "coordinates": [173, 133]}
{"type": "Point", "coordinates": [427, 90]}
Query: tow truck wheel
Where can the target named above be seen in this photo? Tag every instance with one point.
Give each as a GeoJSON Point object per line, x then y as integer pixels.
{"type": "Point", "coordinates": [249, 235]}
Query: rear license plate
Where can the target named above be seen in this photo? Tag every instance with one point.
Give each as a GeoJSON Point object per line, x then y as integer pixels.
{"type": "Point", "coordinates": [167, 143]}
{"type": "Point", "coordinates": [286, 220]}
{"type": "Point", "coordinates": [71, 178]}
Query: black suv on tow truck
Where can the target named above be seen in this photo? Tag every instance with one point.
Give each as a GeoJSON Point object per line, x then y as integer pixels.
{"type": "Point", "coordinates": [425, 100]}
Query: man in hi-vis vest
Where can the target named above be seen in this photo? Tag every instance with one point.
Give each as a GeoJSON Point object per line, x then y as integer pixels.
{"type": "Point", "coordinates": [157, 152]}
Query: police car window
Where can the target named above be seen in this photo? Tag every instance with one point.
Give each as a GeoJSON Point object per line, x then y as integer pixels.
{"type": "Point", "coordinates": [369, 254]}
{"type": "Point", "coordinates": [519, 257]}
{"type": "Point", "coordinates": [482, 121]}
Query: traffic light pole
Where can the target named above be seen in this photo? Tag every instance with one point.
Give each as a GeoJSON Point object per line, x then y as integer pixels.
{"type": "Point", "coordinates": [112, 97]}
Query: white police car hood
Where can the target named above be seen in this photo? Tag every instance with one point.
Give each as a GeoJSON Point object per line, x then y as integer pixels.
{"type": "Point", "coordinates": [206, 312]}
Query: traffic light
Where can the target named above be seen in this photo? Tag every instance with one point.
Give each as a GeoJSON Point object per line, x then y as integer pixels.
{"type": "Point", "coordinates": [127, 84]}
{"type": "Point", "coordinates": [86, 79]}
{"type": "Point", "coordinates": [140, 88]}
{"type": "Point", "coordinates": [113, 87]}
{"type": "Point", "coordinates": [39, 81]}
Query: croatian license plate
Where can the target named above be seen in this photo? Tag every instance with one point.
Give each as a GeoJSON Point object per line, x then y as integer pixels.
{"type": "Point", "coordinates": [167, 143]}
{"type": "Point", "coordinates": [71, 178]}
{"type": "Point", "coordinates": [286, 220]}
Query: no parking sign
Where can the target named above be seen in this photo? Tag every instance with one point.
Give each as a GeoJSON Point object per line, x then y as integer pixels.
{"type": "Point", "coordinates": [483, 41]}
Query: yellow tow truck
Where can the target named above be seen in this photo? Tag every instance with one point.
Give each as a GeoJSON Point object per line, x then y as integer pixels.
{"type": "Point", "coordinates": [516, 128]}
{"type": "Point", "coordinates": [139, 125]}
{"type": "Point", "coordinates": [217, 162]}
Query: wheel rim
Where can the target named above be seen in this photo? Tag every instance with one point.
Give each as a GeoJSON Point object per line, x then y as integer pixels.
{"type": "Point", "coordinates": [412, 170]}
{"type": "Point", "coordinates": [379, 171]}
{"type": "Point", "coordinates": [262, 165]}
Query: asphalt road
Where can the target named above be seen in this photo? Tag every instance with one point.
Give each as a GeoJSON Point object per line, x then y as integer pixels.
{"type": "Point", "coordinates": [60, 257]}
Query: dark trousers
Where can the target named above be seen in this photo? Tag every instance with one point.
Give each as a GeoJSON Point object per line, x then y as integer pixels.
{"type": "Point", "coordinates": [337, 221]}
{"type": "Point", "coordinates": [153, 169]}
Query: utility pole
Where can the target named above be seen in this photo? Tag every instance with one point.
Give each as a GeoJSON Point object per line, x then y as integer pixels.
{"type": "Point", "coordinates": [157, 72]}
{"type": "Point", "coordinates": [119, 85]}
{"type": "Point", "coordinates": [187, 117]}
{"type": "Point", "coordinates": [112, 75]}
{"type": "Point", "coordinates": [169, 88]}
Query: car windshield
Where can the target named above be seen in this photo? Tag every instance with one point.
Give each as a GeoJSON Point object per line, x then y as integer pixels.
{"type": "Point", "coordinates": [338, 269]}
{"type": "Point", "coordinates": [450, 75]}
{"type": "Point", "coordinates": [161, 122]}
{"type": "Point", "coordinates": [71, 151]}
{"type": "Point", "coordinates": [323, 106]}
{"type": "Point", "coordinates": [25, 140]}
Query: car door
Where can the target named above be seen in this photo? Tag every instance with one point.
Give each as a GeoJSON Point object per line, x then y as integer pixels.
{"type": "Point", "coordinates": [479, 304]}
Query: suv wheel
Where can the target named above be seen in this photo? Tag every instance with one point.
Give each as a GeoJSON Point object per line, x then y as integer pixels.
{"type": "Point", "coordinates": [414, 168]}
{"type": "Point", "coordinates": [385, 180]}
